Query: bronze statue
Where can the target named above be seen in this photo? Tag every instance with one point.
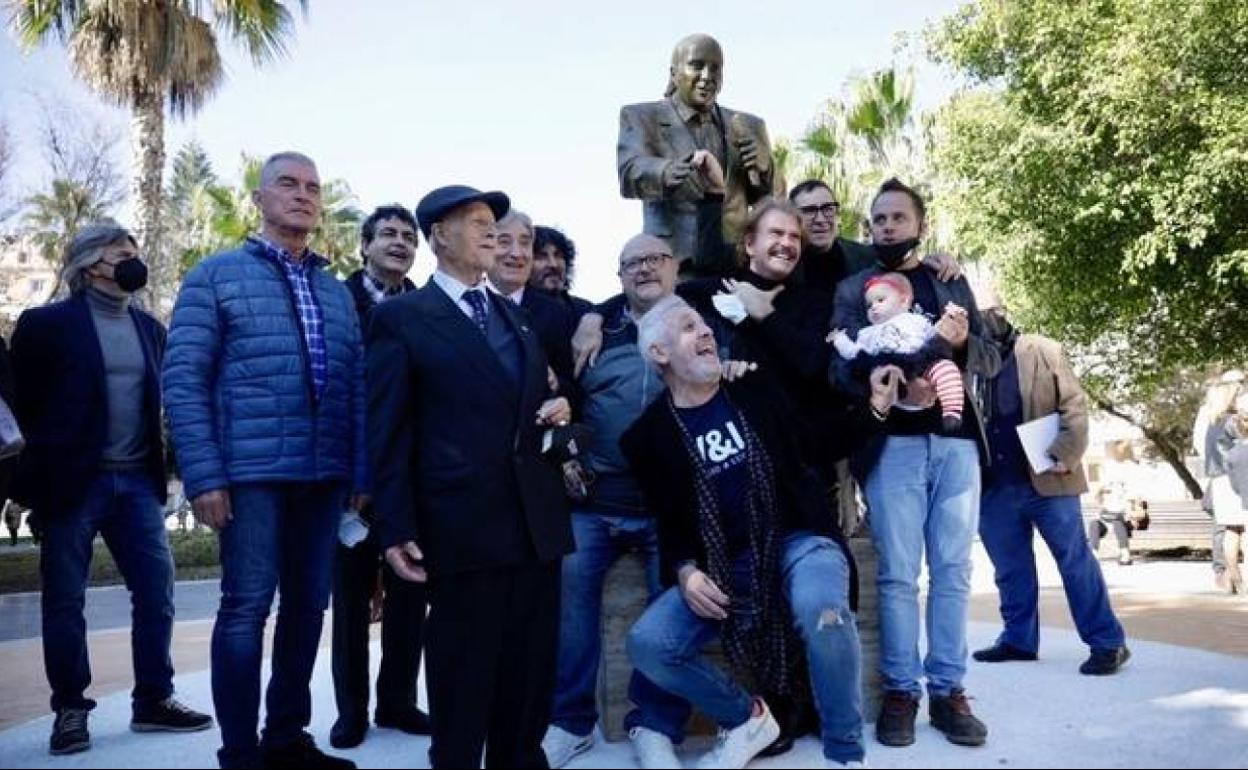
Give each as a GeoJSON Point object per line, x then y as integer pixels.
{"type": "Point", "coordinates": [655, 157]}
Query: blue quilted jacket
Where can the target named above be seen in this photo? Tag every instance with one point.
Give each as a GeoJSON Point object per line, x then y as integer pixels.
{"type": "Point", "coordinates": [238, 385]}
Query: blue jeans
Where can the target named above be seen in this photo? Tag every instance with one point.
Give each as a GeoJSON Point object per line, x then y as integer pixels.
{"type": "Point", "coordinates": [282, 534]}
{"type": "Point", "coordinates": [1010, 515]}
{"type": "Point", "coordinates": [923, 495]}
{"type": "Point", "coordinates": [121, 506]}
{"type": "Point", "coordinates": [600, 540]}
{"type": "Point", "coordinates": [667, 641]}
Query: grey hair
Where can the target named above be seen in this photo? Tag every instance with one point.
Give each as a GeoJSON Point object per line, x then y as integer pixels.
{"type": "Point", "coordinates": [87, 248]}
{"type": "Point", "coordinates": [514, 215]}
{"type": "Point", "coordinates": [267, 172]}
{"type": "Point", "coordinates": [652, 328]}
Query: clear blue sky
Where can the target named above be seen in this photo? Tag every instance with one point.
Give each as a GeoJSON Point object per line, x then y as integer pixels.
{"type": "Point", "coordinates": [399, 97]}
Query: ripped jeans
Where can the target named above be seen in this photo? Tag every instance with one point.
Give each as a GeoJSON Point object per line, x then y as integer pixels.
{"type": "Point", "coordinates": [666, 644]}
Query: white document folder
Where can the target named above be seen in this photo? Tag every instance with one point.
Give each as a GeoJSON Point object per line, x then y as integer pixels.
{"type": "Point", "coordinates": [1037, 436]}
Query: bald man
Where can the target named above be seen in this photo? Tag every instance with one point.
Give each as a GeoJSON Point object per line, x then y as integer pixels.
{"type": "Point", "coordinates": [656, 148]}
{"type": "Point", "coordinates": [612, 520]}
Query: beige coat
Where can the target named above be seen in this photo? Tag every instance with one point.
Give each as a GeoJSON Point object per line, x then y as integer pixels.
{"type": "Point", "coordinates": [1048, 385]}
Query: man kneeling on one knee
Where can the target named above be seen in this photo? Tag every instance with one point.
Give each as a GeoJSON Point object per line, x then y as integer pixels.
{"type": "Point", "coordinates": [749, 542]}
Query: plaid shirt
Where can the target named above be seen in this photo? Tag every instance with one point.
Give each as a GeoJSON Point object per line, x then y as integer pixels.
{"type": "Point", "coordinates": [311, 317]}
{"type": "Point", "coordinates": [379, 291]}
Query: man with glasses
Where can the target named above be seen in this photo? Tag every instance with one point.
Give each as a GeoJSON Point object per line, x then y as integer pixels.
{"type": "Point", "coordinates": [828, 258]}
{"type": "Point", "coordinates": [612, 520]}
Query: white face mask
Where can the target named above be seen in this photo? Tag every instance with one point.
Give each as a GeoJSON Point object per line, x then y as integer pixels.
{"type": "Point", "coordinates": [730, 307]}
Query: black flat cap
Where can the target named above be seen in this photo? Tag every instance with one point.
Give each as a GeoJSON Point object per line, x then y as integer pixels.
{"type": "Point", "coordinates": [436, 205]}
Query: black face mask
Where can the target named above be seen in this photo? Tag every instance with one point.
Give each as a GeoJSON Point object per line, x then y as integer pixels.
{"type": "Point", "coordinates": [893, 255]}
{"type": "Point", "coordinates": [130, 275]}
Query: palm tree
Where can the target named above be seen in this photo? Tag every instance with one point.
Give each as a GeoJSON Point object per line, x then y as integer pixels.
{"type": "Point", "coordinates": [56, 216]}
{"type": "Point", "coordinates": [856, 144]}
{"type": "Point", "coordinates": [146, 55]}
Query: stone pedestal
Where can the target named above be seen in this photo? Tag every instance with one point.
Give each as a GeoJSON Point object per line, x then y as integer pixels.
{"type": "Point", "coordinates": [624, 599]}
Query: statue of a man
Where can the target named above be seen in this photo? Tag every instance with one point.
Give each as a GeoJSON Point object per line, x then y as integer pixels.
{"type": "Point", "coordinates": [655, 157]}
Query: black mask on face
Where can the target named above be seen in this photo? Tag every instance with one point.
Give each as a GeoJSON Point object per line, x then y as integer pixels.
{"type": "Point", "coordinates": [892, 255]}
{"type": "Point", "coordinates": [130, 275]}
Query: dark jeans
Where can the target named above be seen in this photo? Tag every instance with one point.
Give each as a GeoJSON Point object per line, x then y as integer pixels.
{"type": "Point", "coordinates": [282, 534]}
{"type": "Point", "coordinates": [600, 541]}
{"type": "Point", "coordinates": [492, 643]}
{"type": "Point", "coordinates": [1010, 515]}
{"type": "Point", "coordinates": [403, 616]}
{"type": "Point", "coordinates": [121, 506]}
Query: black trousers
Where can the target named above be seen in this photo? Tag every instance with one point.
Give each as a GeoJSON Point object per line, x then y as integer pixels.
{"type": "Point", "coordinates": [403, 620]}
{"type": "Point", "coordinates": [493, 643]}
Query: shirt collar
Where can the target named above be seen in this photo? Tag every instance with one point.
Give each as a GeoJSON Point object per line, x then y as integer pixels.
{"type": "Point", "coordinates": [687, 113]}
{"type": "Point", "coordinates": [376, 287]}
{"type": "Point", "coordinates": [453, 287]}
{"type": "Point", "coordinates": [310, 257]}
{"type": "Point", "coordinates": [516, 296]}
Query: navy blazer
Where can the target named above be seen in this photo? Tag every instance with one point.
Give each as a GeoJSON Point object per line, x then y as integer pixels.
{"type": "Point", "coordinates": [453, 441]}
{"type": "Point", "coordinates": [62, 403]}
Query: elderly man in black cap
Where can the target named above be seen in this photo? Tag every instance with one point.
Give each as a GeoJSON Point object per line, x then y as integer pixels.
{"type": "Point", "coordinates": [458, 404]}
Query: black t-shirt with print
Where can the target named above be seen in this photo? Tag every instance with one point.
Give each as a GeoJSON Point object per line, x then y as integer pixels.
{"type": "Point", "coordinates": [716, 430]}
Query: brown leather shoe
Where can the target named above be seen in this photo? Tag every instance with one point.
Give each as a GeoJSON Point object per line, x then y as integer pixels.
{"type": "Point", "coordinates": [951, 714]}
{"type": "Point", "coordinates": [895, 725]}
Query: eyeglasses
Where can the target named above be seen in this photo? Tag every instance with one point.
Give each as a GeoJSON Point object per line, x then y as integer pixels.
{"type": "Point", "coordinates": [650, 261]}
{"type": "Point", "coordinates": [829, 211]}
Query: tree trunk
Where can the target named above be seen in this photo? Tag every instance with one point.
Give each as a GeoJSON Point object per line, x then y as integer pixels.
{"type": "Point", "coordinates": [148, 138]}
{"type": "Point", "coordinates": [1171, 453]}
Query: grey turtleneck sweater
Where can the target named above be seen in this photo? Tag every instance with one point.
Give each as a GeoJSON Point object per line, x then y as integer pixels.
{"type": "Point", "coordinates": [124, 370]}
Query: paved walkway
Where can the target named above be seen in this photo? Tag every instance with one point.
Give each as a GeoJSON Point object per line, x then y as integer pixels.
{"type": "Point", "coordinates": [1183, 701]}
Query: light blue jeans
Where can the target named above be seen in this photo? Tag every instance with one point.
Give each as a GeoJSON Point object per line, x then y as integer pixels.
{"type": "Point", "coordinates": [923, 496]}
{"type": "Point", "coordinates": [666, 644]}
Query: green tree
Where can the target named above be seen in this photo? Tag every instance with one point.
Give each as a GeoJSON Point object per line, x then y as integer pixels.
{"type": "Point", "coordinates": [856, 143]}
{"type": "Point", "coordinates": [146, 56]}
{"type": "Point", "coordinates": [187, 200]}
{"type": "Point", "coordinates": [1099, 163]}
{"type": "Point", "coordinates": [84, 185]}
{"type": "Point", "coordinates": [221, 216]}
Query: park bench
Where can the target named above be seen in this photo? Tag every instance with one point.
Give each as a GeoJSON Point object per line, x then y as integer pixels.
{"type": "Point", "coordinates": [1173, 525]}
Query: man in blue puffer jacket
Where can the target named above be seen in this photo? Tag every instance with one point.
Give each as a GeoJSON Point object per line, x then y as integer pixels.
{"type": "Point", "coordinates": [264, 391]}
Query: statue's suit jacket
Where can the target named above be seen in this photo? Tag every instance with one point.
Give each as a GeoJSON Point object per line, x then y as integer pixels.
{"type": "Point", "coordinates": [652, 135]}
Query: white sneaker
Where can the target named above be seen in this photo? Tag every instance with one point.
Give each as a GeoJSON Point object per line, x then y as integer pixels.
{"type": "Point", "coordinates": [654, 750]}
{"type": "Point", "coordinates": [736, 747]}
{"type": "Point", "coordinates": [834, 765]}
{"type": "Point", "coordinates": [561, 746]}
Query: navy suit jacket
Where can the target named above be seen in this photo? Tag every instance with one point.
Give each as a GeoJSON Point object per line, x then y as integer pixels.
{"type": "Point", "coordinates": [455, 449]}
{"type": "Point", "coordinates": [62, 403]}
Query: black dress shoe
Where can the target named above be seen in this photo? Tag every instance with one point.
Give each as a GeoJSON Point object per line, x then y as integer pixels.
{"type": "Point", "coordinates": [1001, 652]}
{"type": "Point", "coordinates": [411, 720]}
{"type": "Point", "coordinates": [302, 755]}
{"type": "Point", "coordinates": [1105, 662]}
{"type": "Point", "coordinates": [347, 733]}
